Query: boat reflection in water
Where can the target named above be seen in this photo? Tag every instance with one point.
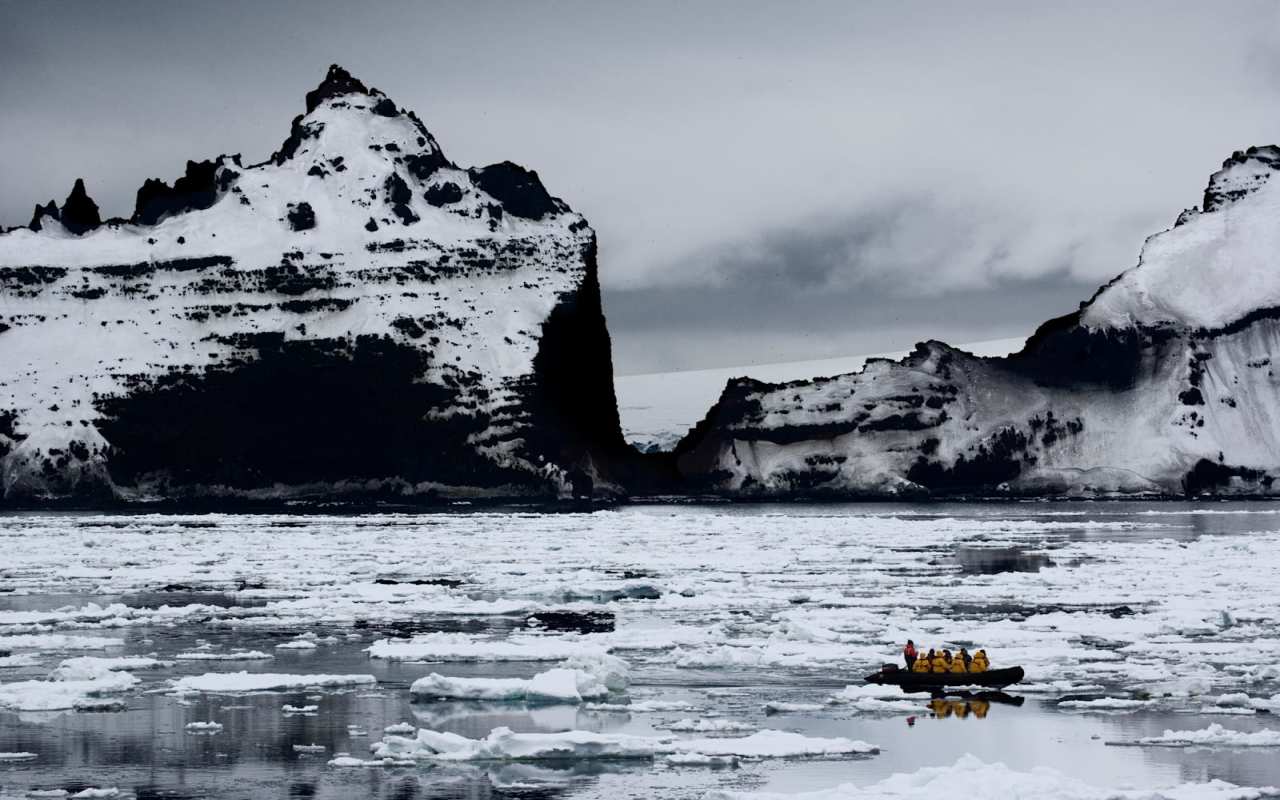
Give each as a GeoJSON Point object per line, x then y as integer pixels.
{"type": "Point", "coordinates": [965, 704]}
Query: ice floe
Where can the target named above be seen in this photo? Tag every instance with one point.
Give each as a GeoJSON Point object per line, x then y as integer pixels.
{"type": "Point", "coordinates": [288, 709]}
{"type": "Point", "coordinates": [1213, 736]}
{"type": "Point", "coordinates": [204, 727]}
{"type": "Point", "coordinates": [58, 695]}
{"type": "Point", "coordinates": [1107, 704]}
{"type": "Point", "coordinates": [238, 655]}
{"type": "Point", "coordinates": [502, 744]}
{"type": "Point", "coordinates": [970, 777]}
{"type": "Point", "coordinates": [21, 755]}
{"type": "Point", "coordinates": [91, 667]}
{"type": "Point", "coordinates": [297, 644]}
{"type": "Point", "coordinates": [462, 647]}
{"type": "Point", "coordinates": [689, 725]}
{"type": "Point", "coordinates": [558, 685]}
{"type": "Point", "coordinates": [233, 682]}
{"type": "Point", "coordinates": [875, 699]}
{"type": "Point", "coordinates": [57, 642]}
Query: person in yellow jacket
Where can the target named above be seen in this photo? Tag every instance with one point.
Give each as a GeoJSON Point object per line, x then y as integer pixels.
{"type": "Point", "coordinates": [923, 663]}
{"type": "Point", "coordinates": [957, 663]}
{"type": "Point", "coordinates": [980, 662]}
{"type": "Point", "coordinates": [940, 661]}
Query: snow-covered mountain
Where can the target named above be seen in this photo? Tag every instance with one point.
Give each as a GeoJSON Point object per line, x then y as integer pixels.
{"type": "Point", "coordinates": [1162, 383]}
{"type": "Point", "coordinates": [657, 409]}
{"type": "Point", "coordinates": [355, 316]}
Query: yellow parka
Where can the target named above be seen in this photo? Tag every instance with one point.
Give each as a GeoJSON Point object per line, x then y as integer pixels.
{"type": "Point", "coordinates": [922, 665]}
{"type": "Point", "coordinates": [939, 663]}
{"type": "Point", "coordinates": [980, 663]}
{"type": "Point", "coordinates": [957, 664]}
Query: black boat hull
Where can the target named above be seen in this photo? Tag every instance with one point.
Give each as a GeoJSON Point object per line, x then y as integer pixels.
{"type": "Point", "coordinates": [996, 678]}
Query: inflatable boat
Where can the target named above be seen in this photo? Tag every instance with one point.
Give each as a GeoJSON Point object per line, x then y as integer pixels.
{"type": "Point", "coordinates": [992, 678]}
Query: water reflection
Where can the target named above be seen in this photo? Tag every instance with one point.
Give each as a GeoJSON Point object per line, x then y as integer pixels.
{"type": "Point", "coordinates": [993, 560]}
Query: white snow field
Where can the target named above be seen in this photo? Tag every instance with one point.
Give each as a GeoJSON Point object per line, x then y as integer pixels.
{"type": "Point", "coordinates": [648, 651]}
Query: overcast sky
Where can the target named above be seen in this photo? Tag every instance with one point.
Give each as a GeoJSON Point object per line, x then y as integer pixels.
{"type": "Point", "coordinates": [769, 181]}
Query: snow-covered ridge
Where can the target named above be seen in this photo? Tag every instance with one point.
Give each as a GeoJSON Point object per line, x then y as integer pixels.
{"type": "Point", "coordinates": [1216, 266]}
{"type": "Point", "coordinates": [1162, 384]}
{"type": "Point", "coordinates": [355, 315]}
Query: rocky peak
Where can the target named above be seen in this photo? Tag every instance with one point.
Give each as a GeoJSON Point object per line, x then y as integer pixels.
{"type": "Point", "coordinates": [1242, 174]}
{"type": "Point", "coordinates": [79, 212]}
{"type": "Point", "coordinates": [47, 211]}
{"type": "Point", "coordinates": [336, 83]}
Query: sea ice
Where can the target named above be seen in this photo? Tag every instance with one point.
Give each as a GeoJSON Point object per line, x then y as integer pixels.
{"type": "Point", "coordinates": [461, 647]}
{"type": "Point", "coordinates": [557, 685]}
{"type": "Point", "coordinates": [1213, 736]}
{"type": "Point", "coordinates": [57, 695]}
{"type": "Point", "coordinates": [288, 709]}
{"type": "Point", "coordinates": [231, 682]}
{"type": "Point", "coordinates": [970, 777]}
{"type": "Point", "coordinates": [688, 725]}
{"type": "Point", "coordinates": [91, 667]}
{"type": "Point", "coordinates": [297, 644]}
{"type": "Point", "coordinates": [504, 745]}
{"type": "Point", "coordinates": [239, 655]}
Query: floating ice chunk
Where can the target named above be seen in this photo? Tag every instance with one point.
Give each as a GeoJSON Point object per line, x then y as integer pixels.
{"type": "Point", "coordinates": [644, 706]}
{"type": "Point", "coordinates": [775, 744]}
{"type": "Point", "coordinates": [204, 727]}
{"type": "Point", "coordinates": [401, 729]}
{"type": "Point", "coordinates": [230, 682]}
{"type": "Point", "coordinates": [1107, 704]}
{"type": "Point", "coordinates": [239, 655]}
{"type": "Point", "coordinates": [874, 699]}
{"type": "Point", "coordinates": [309, 748]}
{"type": "Point", "coordinates": [558, 685]}
{"type": "Point", "coordinates": [288, 709]}
{"type": "Point", "coordinates": [699, 760]}
{"type": "Point", "coordinates": [1059, 687]}
{"type": "Point", "coordinates": [351, 761]}
{"type": "Point", "coordinates": [86, 668]}
{"type": "Point", "coordinates": [503, 745]}
{"type": "Point", "coordinates": [57, 641]}
{"type": "Point", "coordinates": [1213, 736]}
{"type": "Point", "coordinates": [707, 726]}
{"type": "Point", "coordinates": [1232, 699]}
{"type": "Point", "coordinates": [1235, 711]}
{"type": "Point", "coordinates": [20, 660]}
{"type": "Point", "coordinates": [775, 707]}
{"type": "Point", "coordinates": [92, 793]}
{"type": "Point", "coordinates": [19, 756]}
{"type": "Point", "coordinates": [36, 695]}
{"type": "Point", "coordinates": [356, 730]}
{"type": "Point", "coordinates": [612, 671]}
{"type": "Point", "coordinates": [461, 647]}
{"type": "Point", "coordinates": [297, 644]}
{"type": "Point", "coordinates": [970, 777]}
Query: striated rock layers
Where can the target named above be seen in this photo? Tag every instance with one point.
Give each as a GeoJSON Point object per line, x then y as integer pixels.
{"type": "Point", "coordinates": [1163, 383]}
{"type": "Point", "coordinates": [354, 318]}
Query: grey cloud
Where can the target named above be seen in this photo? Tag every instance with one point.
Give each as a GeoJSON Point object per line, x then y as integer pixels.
{"type": "Point", "coordinates": [891, 150]}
